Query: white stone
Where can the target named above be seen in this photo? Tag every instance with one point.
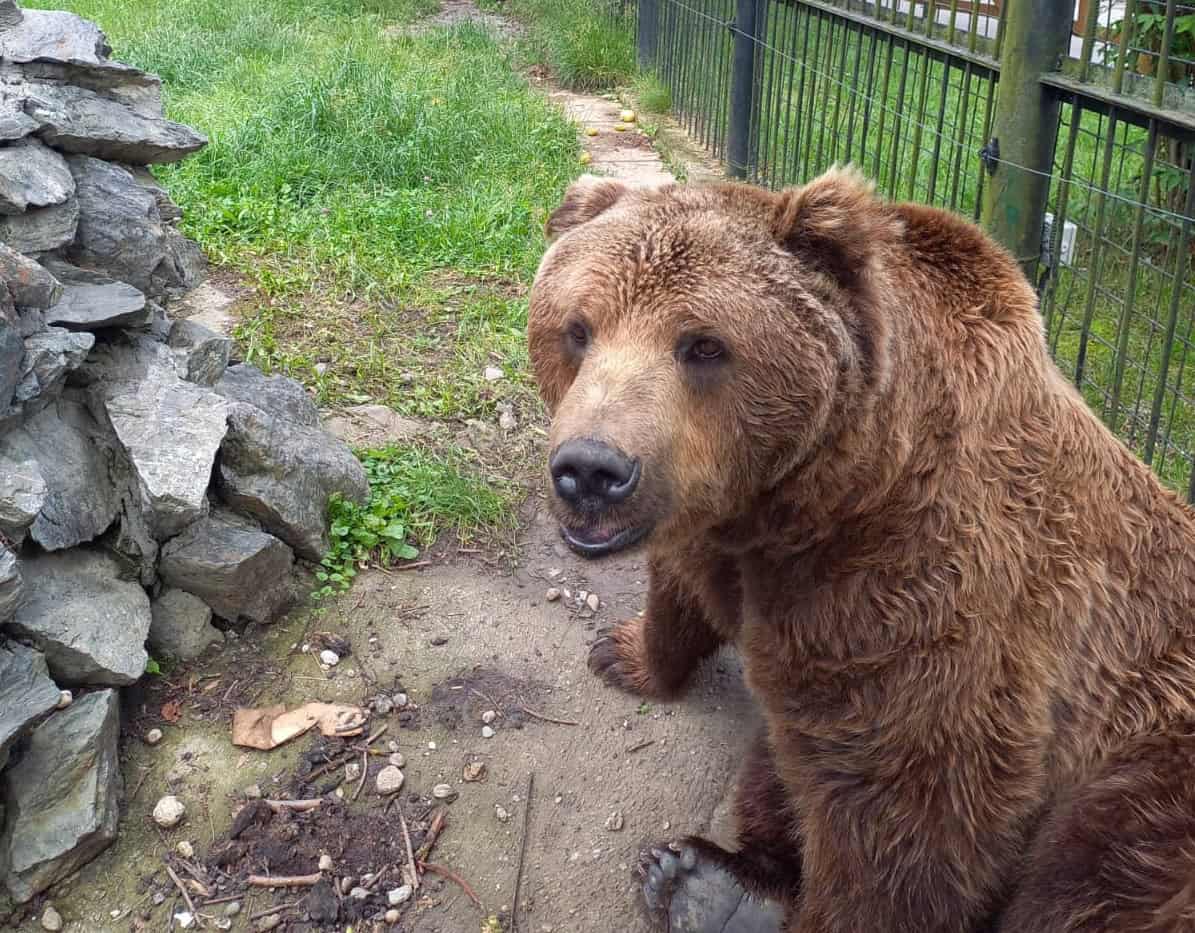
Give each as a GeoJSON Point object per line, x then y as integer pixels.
{"type": "Point", "coordinates": [493, 374]}
{"type": "Point", "coordinates": [185, 849]}
{"type": "Point", "coordinates": [487, 732]}
{"type": "Point", "coordinates": [325, 862]}
{"type": "Point", "coordinates": [153, 737]}
{"type": "Point", "coordinates": [65, 699]}
{"type": "Point", "coordinates": [329, 658]}
{"type": "Point", "coordinates": [390, 780]}
{"type": "Point", "coordinates": [488, 716]}
{"type": "Point", "coordinates": [169, 812]}
{"type": "Point", "coordinates": [399, 895]}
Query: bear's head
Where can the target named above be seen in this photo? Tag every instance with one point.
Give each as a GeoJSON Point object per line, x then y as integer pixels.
{"type": "Point", "coordinates": [695, 345]}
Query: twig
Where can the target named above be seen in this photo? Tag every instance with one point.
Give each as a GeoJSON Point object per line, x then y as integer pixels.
{"type": "Point", "coordinates": [410, 867]}
{"type": "Point", "coordinates": [415, 566]}
{"type": "Point", "coordinates": [275, 910]}
{"type": "Point", "coordinates": [284, 881]}
{"type": "Point", "coordinates": [377, 735]}
{"type": "Point", "coordinates": [364, 774]}
{"type": "Point", "coordinates": [226, 899]}
{"type": "Point", "coordinates": [178, 883]}
{"type": "Point", "coordinates": [433, 833]}
{"type": "Point", "coordinates": [514, 912]}
{"type": "Point", "coordinates": [452, 876]}
{"type": "Point", "coordinates": [298, 806]}
{"type": "Point", "coordinates": [137, 789]}
{"type": "Point", "coordinates": [640, 746]}
{"type": "Point", "coordinates": [377, 877]}
{"type": "Point", "coordinates": [560, 722]}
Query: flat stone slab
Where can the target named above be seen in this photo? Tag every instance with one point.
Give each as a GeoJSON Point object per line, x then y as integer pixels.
{"type": "Point", "coordinates": [94, 307]}
{"type": "Point", "coordinates": [32, 175]}
{"type": "Point", "coordinates": [54, 35]}
{"type": "Point", "coordinates": [90, 624]}
{"type": "Point", "coordinates": [76, 120]}
{"type": "Point", "coordinates": [22, 495]}
{"type": "Point", "coordinates": [171, 431]}
{"type": "Point", "coordinates": [201, 354]}
{"type": "Point", "coordinates": [41, 230]}
{"type": "Point", "coordinates": [71, 451]}
{"type": "Point", "coordinates": [49, 356]}
{"type": "Point", "coordinates": [238, 570]}
{"type": "Point", "coordinates": [26, 693]}
{"type": "Point", "coordinates": [63, 795]}
{"type": "Point", "coordinates": [10, 584]}
{"type": "Point", "coordinates": [276, 395]}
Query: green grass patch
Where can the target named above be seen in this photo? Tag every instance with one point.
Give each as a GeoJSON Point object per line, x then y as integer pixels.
{"type": "Point", "coordinates": [652, 94]}
{"type": "Point", "coordinates": [414, 495]}
{"type": "Point", "coordinates": [587, 44]}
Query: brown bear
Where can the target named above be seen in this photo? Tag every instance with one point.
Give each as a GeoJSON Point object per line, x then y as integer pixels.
{"type": "Point", "coordinates": [966, 610]}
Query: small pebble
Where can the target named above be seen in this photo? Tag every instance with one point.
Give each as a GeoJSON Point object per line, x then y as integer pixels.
{"type": "Point", "coordinates": [398, 760]}
{"type": "Point", "coordinates": [392, 916]}
{"type": "Point", "coordinates": [51, 919]}
{"type": "Point", "coordinates": [431, 746]}
{"type": "Point", "coordinates": [321, 368]}
{"type": "Point", "coordinates": [383, 705]}
{"type": "Point", "coordinates": [439, 641]}
{"type": "Point", "coordinates": [328, 659]}
{"type": "Point", "coordinates": [474, 771]}
{"type": "Point", "coordinates": [614, 822]}
{"type": "Point", "coordinates": [232, 909]}
{"type": "Point", "coordinates": [493, 374]}
{"type": "Point", "coordinates": [553, 594]}
{"type": "Point", "coordinates": [592, 602]}
{"type": "Point", "coordinates": [358, 894]}
{"type": "Point", "coordinates": [400, 700]}
{"type": "Point", "coordinates": [169, 812]}
{"type": "Point", "coordinates": [399, 895]}
{"type": "Point", "coordinates": [153, 737]}
{"type": "Point", "coordinates": [507, 420]}
{"type": "Point", "coordinates": [159, 898]}
{"type": "Point", "coordinates": [347, 883]}
{"type": "Point", "coordinates": [185, 919]}
{"type": "Point", "coordinates": [352, 771]}
{"type": "Point", "coordinates": [488, 716]}
{"type": "Point", "coordinates": [502, 813]}
{"type": "Point", "coordinates": [253, 792]}
{"type": "Point", "coordinates": [487, 732]}
{"type": "Point", "coordinates": [390, 780]}
{"type": "Point", "coordinates": [444, 792]}
{"type": "Point", "coordinates": [185, 849]}
{"type": "Point", "coordinates": [65, 698]}
{"type": "Point", "coordinates": [223, 924]}
{"type": "Point", "coordinates": [392, 745]}
{"type": "Point", "coordinates": [272, 922]}
{"type": "Point", "coordinates": [325, 862]}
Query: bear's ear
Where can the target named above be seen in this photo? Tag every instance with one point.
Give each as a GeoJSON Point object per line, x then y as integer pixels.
{"type": "Point", "coordinates": [585, 198]}
{"type": "Point", "coordinates": [835, 223]}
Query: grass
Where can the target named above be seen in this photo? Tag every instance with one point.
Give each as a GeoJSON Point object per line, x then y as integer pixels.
{"type": "Point", "coordinates": [587, 44]}
{"type": "Point", "coordinates": [382, 191]}
{"type": "Point", "coordinates": [414, 495]}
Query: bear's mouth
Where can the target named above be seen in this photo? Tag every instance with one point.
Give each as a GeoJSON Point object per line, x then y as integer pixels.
{"type": "Point", "coordinates": [599, 542]}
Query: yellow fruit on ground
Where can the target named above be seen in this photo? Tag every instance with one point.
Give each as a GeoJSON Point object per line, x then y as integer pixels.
{"type": "Point", "coordinates": [620, 127]}
{"type": "Point", "coordinates": [586, 158]}
{"type": "Point", "coordinates": [592, 131]}
{"type": "Point", "coordinates": [627, 116]}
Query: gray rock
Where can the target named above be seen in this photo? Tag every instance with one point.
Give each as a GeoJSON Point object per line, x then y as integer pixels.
{"type": "Point", "coordinates": [122, 233]}
{"type": "Point", "coordinates": [26, 694]}
{"type": "Point", "coordinates": [202, 355]}
{"type": "Point", "coordinates": [182, 626]}
{"type": "Point", "coordinates": [90, 624]}
{"type": "Point", "coordinates": [63, 795]}
{"type": "Point", "coordinates": [12, 350]}
{"type": "Point", "coordinates": [49, 356]}
{"type": "Point", "coordinates": [30, 284]}
{"type": "Point", "coordinates": [131, 540]}
{"type": "Point", "coordinates": [170, 430]}
{"type": "Point", "coordinates": [93, 307]}
{"type": "Point", "coordinates": [238, 570]}
{"type": "Point", "coordinates": [277, 465]}
{"type": "Point", "coordinates": [275, 395]}
{"type": "Point", "coordinates": [78, 463]}
{"type": "Point", "coordinates": [77, 120]}
{"type": "Point", "coordinates": [41, 230]}
{"type": "Point", "coordinates": [169, 211]}
{"type": "Point", "coordinates": [14, 122]}
{"type": "Point", "coordinates": [22, 495]}
{"type": "Point", "coordinates": [10, 584]}
{"type": "Point", "coordinates": [50, 34]}
{"type": "Point", "coordinates": [69, 274]}
{"type": "Point", "coordinates": [10, 14]}
{"type": "Point", "coordinates": [32, 175]}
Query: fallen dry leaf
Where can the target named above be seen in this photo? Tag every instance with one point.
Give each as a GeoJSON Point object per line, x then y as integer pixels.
{"type": "Point", "coordinates": [172, 711]}
{"type": "Point", "coordinates": [271, 726]}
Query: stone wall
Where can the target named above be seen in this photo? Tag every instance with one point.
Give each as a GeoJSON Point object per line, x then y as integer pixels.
{"type": "Point", "coordinates": [152, 490]}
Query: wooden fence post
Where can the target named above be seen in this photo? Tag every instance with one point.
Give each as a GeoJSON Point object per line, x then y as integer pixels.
{"type": "Point", "coordinates": [1024, 127]}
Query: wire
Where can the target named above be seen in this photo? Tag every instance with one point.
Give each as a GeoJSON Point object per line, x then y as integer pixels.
{"type": "Point", "coordinates": [1074, 183]}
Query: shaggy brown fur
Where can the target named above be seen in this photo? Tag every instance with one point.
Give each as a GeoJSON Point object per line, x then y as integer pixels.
{"type": "Point", "coordinates": [967, 611]}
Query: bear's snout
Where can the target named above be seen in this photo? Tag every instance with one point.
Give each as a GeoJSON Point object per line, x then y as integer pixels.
{"type": "Point", "coordinates": [591, 475]}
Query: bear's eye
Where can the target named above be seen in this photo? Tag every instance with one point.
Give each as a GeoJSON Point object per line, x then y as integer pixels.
{"type": "Point", "coordinates": [705, 349]}
{"type": "Point", "coordinates": [577, 335]}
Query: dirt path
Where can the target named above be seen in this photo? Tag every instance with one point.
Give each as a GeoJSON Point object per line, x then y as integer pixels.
{"type": "Point", "coordinates": [462, 636]}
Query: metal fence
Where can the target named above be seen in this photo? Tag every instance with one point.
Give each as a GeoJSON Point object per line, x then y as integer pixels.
{"type": "Point", "coordinates": [1066, 127]}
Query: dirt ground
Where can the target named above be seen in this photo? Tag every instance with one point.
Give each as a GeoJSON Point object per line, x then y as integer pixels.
{"type": "Point", "coordinates": [465, 633]}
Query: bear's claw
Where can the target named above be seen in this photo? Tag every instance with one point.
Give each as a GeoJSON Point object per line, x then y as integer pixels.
{"type": "Point", "coordinates": [608, 658]}
{"type": "Point", "coordinates": [688, 891]}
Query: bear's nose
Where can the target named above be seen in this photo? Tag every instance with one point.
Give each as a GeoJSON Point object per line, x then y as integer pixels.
{"type": "Point", "coordinates": [589, 472]}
